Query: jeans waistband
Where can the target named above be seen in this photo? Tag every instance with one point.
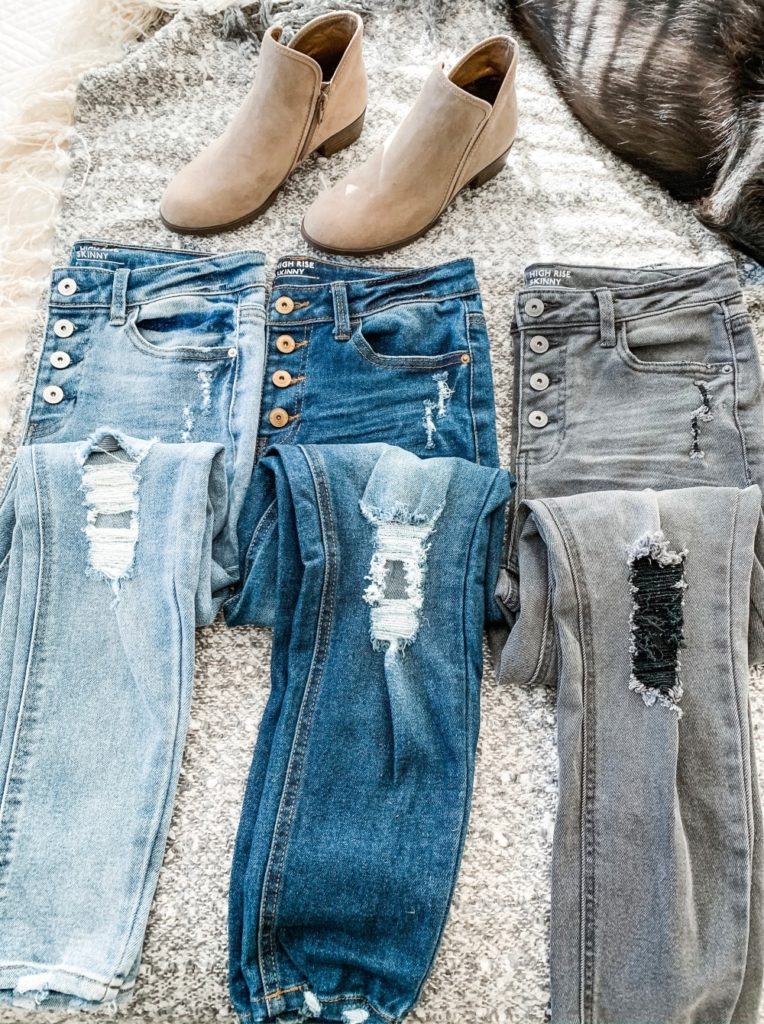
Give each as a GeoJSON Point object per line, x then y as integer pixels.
{"type": "Point", "coordinates": [103, 271]}
{"type": "Point", "coordinates": [586, 295]}
{"type": "Point", "coordinates": [321, 290]}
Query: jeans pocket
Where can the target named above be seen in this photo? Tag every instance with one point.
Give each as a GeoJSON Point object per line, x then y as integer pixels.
{"type": "Point", "coordinates": [189, 326]}
{"type": "Point", "coordinates": [418, 335]}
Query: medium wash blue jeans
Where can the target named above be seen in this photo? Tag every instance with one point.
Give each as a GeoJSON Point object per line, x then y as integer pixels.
{"type": "Point", "coordinates": [119, 532]}
{"type": "Point", "coordinates": [357, 804]}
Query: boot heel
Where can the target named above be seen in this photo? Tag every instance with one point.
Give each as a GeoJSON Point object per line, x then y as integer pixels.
{"type": "Point", "coordinates": [490, 171]}
{"type": "Point", "coordinates": [342, 139]}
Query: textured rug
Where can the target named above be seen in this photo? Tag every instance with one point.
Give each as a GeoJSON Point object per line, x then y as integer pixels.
{"type": "Point", "coordinates": [563, 198]}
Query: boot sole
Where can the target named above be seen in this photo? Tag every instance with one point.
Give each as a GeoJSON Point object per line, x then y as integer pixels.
{"type": "Point", "coordinates": [340, 140]}
{"type": "Point", "coordinates": [480, 179]}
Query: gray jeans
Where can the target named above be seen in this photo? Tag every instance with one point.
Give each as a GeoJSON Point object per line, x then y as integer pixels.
{"type": "Point", "coordinates": [627, 379]}
{"type": "Point", "coordinates": [633, 579]}
{"type": "Point", "coordinates": [656, 870]}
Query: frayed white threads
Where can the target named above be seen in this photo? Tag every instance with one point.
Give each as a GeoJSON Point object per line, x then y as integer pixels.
{"type": "Point", "coordinates": [396, 577]}
{"type": "Point", "coordinates": [437, 407]}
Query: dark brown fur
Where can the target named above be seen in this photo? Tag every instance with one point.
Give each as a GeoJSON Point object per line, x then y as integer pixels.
{"type": "Point", "coordinates": [674, 86]}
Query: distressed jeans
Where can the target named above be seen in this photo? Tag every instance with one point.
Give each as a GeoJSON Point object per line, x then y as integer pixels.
{"type": "Point", "coordinates": [657, 855]}
{"type": "Point", "coordinates": [106, 564]}
{"type": "Point", "coordinates": [357, 803]}
{"type": "Point", "coordinates": [626, 379]}
{"type": "Point", "coordinates": [117, 536]}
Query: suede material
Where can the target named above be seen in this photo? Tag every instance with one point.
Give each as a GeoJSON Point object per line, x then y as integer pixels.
{"type": "Point", "coordinates": [447, 137]}
{"type": "Point", "coordinates": [279, 123]}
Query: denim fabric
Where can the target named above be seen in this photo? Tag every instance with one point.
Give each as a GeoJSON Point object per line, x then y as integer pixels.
{"type": "Point", "coordinates": [114, 543]}
{"type": "Point", "coordinates": [95, 686]}
{"type": "Point", "coordinates": [626, 379]}
{"type": "Point", "coordinates": [157, 343]}
{"type": "Point", "coordinates": [656, 869]}
{"type": "Point", "coordinates": [365, 354]}
{"type": "Point", "coordinates": [358, 797]}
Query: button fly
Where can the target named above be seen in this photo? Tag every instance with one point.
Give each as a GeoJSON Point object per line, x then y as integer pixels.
{"type": "Point", "coordinates": [67, 286]}
{"type": "Point", "coordinates": [534, 307]}
{"type": "Point", "coordinates": [538, 418]}
{"type": "Point", "coordinates": [539, 382]}
{"type": "Point", "coordinates": [278, 417]}
{"type": "Point", "coordinates": [60, 360]}
{"type": "Point", "coordinates": [63, 328]}
{"type": "Point", "coordinates": [284, 304]}
{"type": "Point", "coordinates": [539, 343]}
{"type": "Point", "coordinates": [282, 379]}
{"type": "Point", "coordinates": [285, 343]}
{"type": "Point", "coordinates": [53, 394]}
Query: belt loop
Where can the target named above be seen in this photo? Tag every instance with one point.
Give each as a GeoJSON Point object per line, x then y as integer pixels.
{"type": "Point", "coordinates": [607, 317]}
{"type": "Point", "coordinates": [118, 313]}
{"type": "Point", "coordinates": [341, 311]}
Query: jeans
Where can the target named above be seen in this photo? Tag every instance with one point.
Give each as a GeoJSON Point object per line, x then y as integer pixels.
{"type": "Point", "coordinates": [657, 856]}
{"type": "Point", "coordinates": [96, 664]}
{"type": "Point", "coordinates": [626, 379]}
{"type": "Point", "coordinates": [117, 536]}
{"type": "Point", "coordinates": [364, 354]}
{"type": "Point", "coordinates": [357, 803]}
{"type": "Point", "coordinates": [119, 532]}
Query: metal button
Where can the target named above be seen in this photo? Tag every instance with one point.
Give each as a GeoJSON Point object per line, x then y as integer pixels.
{"type": "Point", "coordinates": [63, 328]}
{"type": "Point", "coordinates": [231, 352]}
{"type": "Point", "coordinates": [60, 360]}
{"type": "Point", "coordinates": [67, 286]}
{"type": "Point", "coordinates": [284, 304]}
{"type": "Point", "coordinates": [278, 417]}
{"type": "Point", "coordinates": [539, 382]}
{"type": "Point", "coordinates": [726, 368]}
{"type": "Point", "coordinates": [285, 343]}
{"type": "Point", "coordinates": [539, 343]}
{"type": "Point", "coordinates": [282, 379]}
{"type": "Point", "coordinates": [53, 394]}
{"type": "Point", "coordinates": [538, 418]}
{"type": "Point", "coordinates": [465, 358]}
{"type": "Point", "coordinates": [534, 307]}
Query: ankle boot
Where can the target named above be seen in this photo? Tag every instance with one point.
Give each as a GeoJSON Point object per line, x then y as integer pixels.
{"type": "Point", "coordinates": [457, 134]}
{"type": "Point", "coordinates": [308, 95]}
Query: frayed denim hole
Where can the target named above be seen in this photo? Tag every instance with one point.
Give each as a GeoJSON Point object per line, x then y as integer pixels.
{"type": "Point", "coordinates": [657, 623]}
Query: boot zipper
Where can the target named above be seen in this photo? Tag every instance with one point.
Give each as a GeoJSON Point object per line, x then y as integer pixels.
{"type": "Point", "coordinates": [318, 114]}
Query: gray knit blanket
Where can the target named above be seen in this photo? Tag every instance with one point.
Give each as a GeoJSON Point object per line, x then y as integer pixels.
{"type": "Point", "coordinates": [561, 198]}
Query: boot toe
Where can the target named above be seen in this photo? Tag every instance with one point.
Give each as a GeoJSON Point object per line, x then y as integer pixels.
{"type": "Point", "coordinates": [343, 220]}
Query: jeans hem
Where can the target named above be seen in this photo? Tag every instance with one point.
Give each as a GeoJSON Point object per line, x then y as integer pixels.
{"type": "Point", "coordinates": [43, 986]}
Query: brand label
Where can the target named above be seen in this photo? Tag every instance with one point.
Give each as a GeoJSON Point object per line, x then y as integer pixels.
{"type": "Point", "coordinates": [89, 252]}
{"type": "Point", "coordinates": [541, 276]}
{"type": "Point", "coordinates": [294, 268]}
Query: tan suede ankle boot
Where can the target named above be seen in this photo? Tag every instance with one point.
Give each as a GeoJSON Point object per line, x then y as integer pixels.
{"type": "Point", "coordinates": [458, 133]}
{"type": "Point", "coordinates": [307, 96]}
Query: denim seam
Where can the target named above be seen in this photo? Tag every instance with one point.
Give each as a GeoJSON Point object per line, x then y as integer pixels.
{"type": "Point", "coordinates": [290, 792]}
{"type": "Point", "coordinates": [636, 289]}
{"type": "Point", "coordinates": [588, 773]}
{"type": "Point", "coordinates": [15, 751]}
{"type": "Point", "coordinates": [744, 769]}
{"type": "Point", "coordinates": [261, 526]}
{"type": "Point", "coordinates": [676, 366]}
{"type": "Point", "coordinates": [169, 293]}
{"type": "Point", "coordinates": [101, 243]}
{"type": "Point", "coordinates": [471, 395]}
{"type": "Point", "coordinates": [234, 387]}
{"type": "Point", "coordinates": [398, 272]}
{"type": "Point", "coordinates": [288, 322]}
{"type": "Point", "coordinates": [469, 756]}
{"type": "Point", "coordinates": [735, 404]}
